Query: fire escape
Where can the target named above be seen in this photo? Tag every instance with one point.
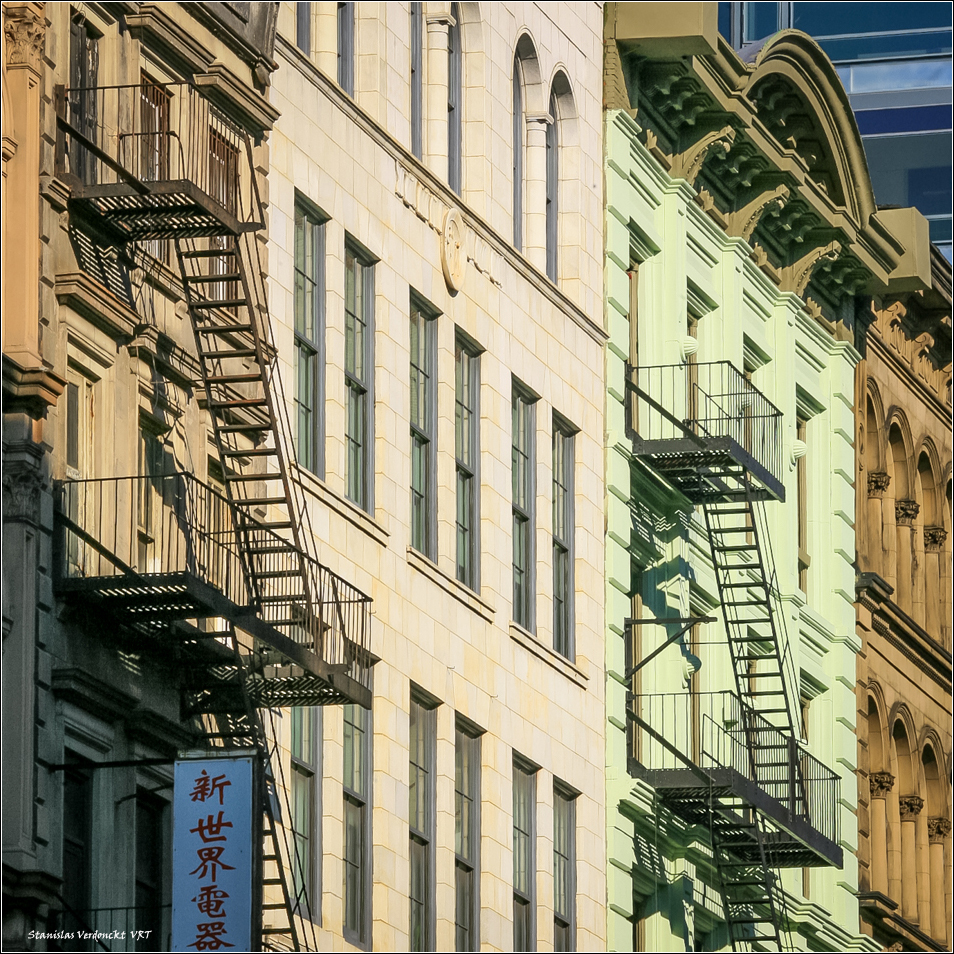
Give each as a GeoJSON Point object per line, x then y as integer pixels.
{"type": "Point", "coordinates": [732, 763]}
{"type": "Point", "coordinates": [222, 585]}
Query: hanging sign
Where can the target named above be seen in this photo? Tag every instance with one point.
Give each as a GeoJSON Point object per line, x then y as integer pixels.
{"type": "Point", "coordinates": [212, 854]}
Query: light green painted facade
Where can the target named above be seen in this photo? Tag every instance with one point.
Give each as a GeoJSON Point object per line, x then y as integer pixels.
{"type": "Point", "coordinates": [659, 870]}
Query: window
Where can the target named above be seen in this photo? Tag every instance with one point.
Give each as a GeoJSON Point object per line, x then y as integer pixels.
{"type": "Point", "coordinates": [359, 336]}
{"type": "Point", "coordinates": [466, 838]}
{"type": "Point", "coordinates": [79, 459]}
{"type": "Point", "coordinates": [154, 142]}
{"type": "Point", "coordinates": [517, 156]}
{"type": "Point", "coordinates": [305, 754]}
{"type": "Point", "coordinates": [801, 479]}
{"type": "Point", "coordinates": [524, 853]}
{"type": "Point", "coordinates": [84, 74]}
{"type": "Point", "coordinates": [417, 80]}
{"type": "Point", "coordinates": [77, 843]}
{"type": "Point", "coordinates": [564, 870]}
{"type": "Point", "coordinates": [467, 449]}
{"type": "Point", "coordinates": [357, 822]}
{"type": "Point", "coordinates": [303, 27]}
{"type": "Point", "coordinates": [553, 189]}
{"type": "Point", "coordinates": [423, 432]}
{"type": "Point", "coordinates": [523, 510]}
{"type": "Point", "coordinates": [151, 494]}
{"type": "Point", "coordinates": [346, 47]}
{"type": "Point", "coordinates": [150, 851]}
{"type": "Point", "coordinates": [422, 820]}
{"type": "Point", "coordinates": [562, 539]}
{"type": "Point", "coordinates": [309, 339]}
{"type": "Point", "coordinates": [454, 91]}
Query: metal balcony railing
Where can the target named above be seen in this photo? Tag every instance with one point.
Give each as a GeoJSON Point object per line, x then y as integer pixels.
{"type": "Point", "coordinates": [149, 528]}
{"type": "Point", "coordinates": [699, 404]}
{"type": "Point", "coordinates": [715, 731]}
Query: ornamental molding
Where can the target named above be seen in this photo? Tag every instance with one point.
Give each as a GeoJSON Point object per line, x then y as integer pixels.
{"type": "Point", "coordinates": [938, 829]}
{"type": "Point", "coordinates": [24, 29]}
{"type": "Point", "coordinates": [687, 165]}
{"type": "Point", "coordinates": [910, 806]}
{"type": "Point", "coordinates": [796, 277]}
{"type": "Point", "coordinates": [880, 784]}
{"type": "Point", "coordinates": [746, 220]}
{"type": "Point", "coordinates": [934, 538]}
{"type": "Point", "coordinates": [878, 482]}
{"type": "Point", "coordinates": [906, 512]}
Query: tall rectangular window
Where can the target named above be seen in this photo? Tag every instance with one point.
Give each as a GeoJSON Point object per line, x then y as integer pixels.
{"type": "Point", "coordinates": [305, 754]}
{"type": "Point", "coordinates": [150, 859]}
{"type": "Point", "coordinates": [346, 47]}
{"type": "Point", "coordinates": [359, 372]}
{"type": "Point", "coordinates": [466, 838]}
{"type": "Point", "coordinates": [357, 823]}
{"type": "Point", "coordinates": [417, 80]}
{"type": "Point", "coordinates": [303, 27]}
{"type": "Point", "coordinates": [801, 475]}
{"type": "Point", "coordinates": [423, 340]}
{"type": "Point", "coordinates": [552, 190]}
{"type": "Point", "coordinates": [523, 508]}
{"type": "Point", "coordinates": [84, 78]}
{"type": "Point", "coordinates": [564, 870]}
{"type": "Point", "coordinates": [422, 789]}
{"type": "Point", "coordinates": [562, 539]}
{"type": "Point", "coordinates": [77, 843]}
{"type": "Point", "coordinates": [309, 339]}
{"type": "Point", "coordinates": [524, 853]}
{"type": "Point", "coordinates": [466, 452]}
{"type": "Point", "coordinates": [454, 91]}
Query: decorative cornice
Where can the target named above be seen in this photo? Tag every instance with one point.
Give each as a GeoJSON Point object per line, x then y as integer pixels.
{"type": "Point", "coordinates": [878, 483]}
{"type": "Point", "coordinates": [938, 829]}
{"type": "Point", "coordinates": [24, 28]}
{"type": "Point", "coordinates": [880, 784]}
{"type": "Point", "coordinates": [29, 389]}
{"type": "Point", "coordinates": [934, 538]}
{"type": "Point", "coordinates": [906, 512]}
{"type": "Point", "coordinates": [910, 806]}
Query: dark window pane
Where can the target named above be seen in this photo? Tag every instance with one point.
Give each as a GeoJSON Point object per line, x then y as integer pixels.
{"type": "Point", "coordinates": [825, 19]}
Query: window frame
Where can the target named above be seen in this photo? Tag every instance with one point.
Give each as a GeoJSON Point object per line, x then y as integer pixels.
{"type": "Point", "coordinates": [564, 546]}
{"type": "Point", "coordinates": [345, 23]}
{"type": "Point", "coordinates": [303, 27]}
{"type": "Point", "coordinates": [306, 766]}
{"type": "Point", "coordinates": [553, 190]}
{"type": "Point", "coordinates": [467, 864]}
{"type": "Point", "coordinates": [455, 59]}
{"type": "Point", "coordinates": [565, 795]}
{"type": "Point", "coordinates": [424, 715]}
{"type": "Point", "coordinates": [417, 79]}
{"type": "Point", "coordinates": [467, 470]}
{"type": "Point", "coordinates": [524, 601]}
{"type": "Point", "coordinates": [361, 800]}
{"type": "Point", "coordinates": [314, 461]}
{"type": "Point", "coordinates": [424, 431]}
{"type": "Point", "coordinates": [528, 898]}
{"type": "Point", "coordinates": [360, 489]}
{"type": "Point", "coordinates": [518, 163]}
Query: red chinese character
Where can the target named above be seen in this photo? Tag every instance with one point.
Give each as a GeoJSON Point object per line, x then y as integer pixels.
{"type": "Point", "coordinates": [208, 939]}
{"type": "Point", "coordinates": [206, 787]}
{"type": "Point", "coordinates": [209, 859]}
{"type": "Point", "coordinates": [209, 901]}
{"type": "Point", "coordinates": [210, 828]}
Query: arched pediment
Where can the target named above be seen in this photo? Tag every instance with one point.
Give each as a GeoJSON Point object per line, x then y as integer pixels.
{"type": "Point", "coordinates": [798, 96]}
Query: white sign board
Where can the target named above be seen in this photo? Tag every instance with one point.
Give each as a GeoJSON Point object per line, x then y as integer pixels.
{"type": "Point", "coordinates": [212, 855]}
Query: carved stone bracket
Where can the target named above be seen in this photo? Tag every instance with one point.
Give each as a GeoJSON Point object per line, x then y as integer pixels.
{"type": "Point", "coordinates": [934, 538]}
{"type": "Point", "coordinates": [878, 483]}
{"type": "Point", "coordinates": [745, 220]}
{"type": "Point", "coordinates": [906, 512]}
{"type": "Point", "coordinates": [796, 277]}
{"type": "Point", "coordinates": [911, 806]}
{"type": "Point", "coordinates": [880, 784]}
{"type": "Point", "coordinates": [24, 28]}
{"type": "Point", "coordinates": [688, 164]}
{"type": "Point", "coordinates": [938, 829]}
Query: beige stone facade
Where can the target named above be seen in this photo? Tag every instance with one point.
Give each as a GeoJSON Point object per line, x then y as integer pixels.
{"type": "Point", "coordinates": [904, 618]}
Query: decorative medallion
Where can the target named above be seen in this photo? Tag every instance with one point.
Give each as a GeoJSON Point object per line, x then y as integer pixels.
{"type": "Point", "coordinates": [453, 257]}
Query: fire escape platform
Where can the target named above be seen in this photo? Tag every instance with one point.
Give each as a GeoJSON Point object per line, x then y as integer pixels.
{"type": "Point", "coordinates": [795, 843]}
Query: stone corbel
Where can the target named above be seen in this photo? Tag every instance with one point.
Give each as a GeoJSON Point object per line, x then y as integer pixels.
{"type": "Point", "coordinates": [906, 512]}
{"type": "Point", "coordinates": [745, 220]}
{"type": "Point", "coordinates": [880, 784]}
{"type": "Point", "coordinates": [910, 806]}
{"type": "Point", "coordinates": [934, 538]}
{"type": "Point", "coordinates": [688, 164]}
{"type": "Point", "coordinates": [878, 482]}
{"type": "Point", "coordinates": [795, 278]}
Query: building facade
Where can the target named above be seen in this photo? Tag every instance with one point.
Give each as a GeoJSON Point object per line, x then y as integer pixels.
{"type": "Point", "coordinates": [742, 241]}
{"type": "Point", "coordinates": [303, 416]}
{"type": "Point", "coordinates": [903, 418]}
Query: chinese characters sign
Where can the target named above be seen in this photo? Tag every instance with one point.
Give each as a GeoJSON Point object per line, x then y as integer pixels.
{"type": "Point", "coordinates": [212, 855]}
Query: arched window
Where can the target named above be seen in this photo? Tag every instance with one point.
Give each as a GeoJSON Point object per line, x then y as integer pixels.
{"type": "Point", "coordinates": [417, 80]}
{"type": "Point", "coordinates": [553, 188]}
{"type": "Point", "coordinates": [518, 125]}
{"type": "Point", "coordinates": [346, 47]}
{"type": "Point", "coordinates": [454, 90]}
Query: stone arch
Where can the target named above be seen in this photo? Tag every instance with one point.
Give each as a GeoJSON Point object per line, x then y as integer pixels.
{"type": "Point", "coordinates": [563, 115]}
{"type": "Point", "coordinates": [900, 454]}
{"type": "Point", "coordinates": [927, 475]}
{"type": "Point", "coordinates": [528, 97]}
{"type": "Point", "coordinates": [936, 787]}
{"type": "Point", "coordinates": [805, 106]}
{"type": "Point", "coordinates": [475, 83]}
{"type": "Point", "coordinates": [525, 55]}
{"type": "Point", "coordinates": [874, 429]}
{"type": "Point", "coordinates": [878, 746]}
{"type": "Point", "coordinates": [903, 751]}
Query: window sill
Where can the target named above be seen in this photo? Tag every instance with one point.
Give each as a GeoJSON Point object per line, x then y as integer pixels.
{"type": "Point", "coordinates": [450, 585]}
{"type": "Point", "coordinates": [316, 487]}
{"type": "Point", "coordinates": [550, 656]}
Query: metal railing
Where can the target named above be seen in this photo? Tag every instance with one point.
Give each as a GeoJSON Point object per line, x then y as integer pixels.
{"type": "Point", "coordinates": [714, 730]}
{"type": "Point", "coordinates": [151, 132]}
{"type": "Point", "coordinates": [149, 527]}
{"type": "Point", "coordinates": [707, 400]}
{"type": "Point", "coordinates": [143, 928]}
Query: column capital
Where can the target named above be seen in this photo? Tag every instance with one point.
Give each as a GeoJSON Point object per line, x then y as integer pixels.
{"type": "Point", "coordinates": [543, 119]}
{"type": "Point", "coordinates": [934, 538]}
{"type": "Point", "coordinates": [938, 829]}
{"type": "Point", "coordinates": [878, 483]}
{"type": "Point", "coordinates": [24, 28]}
{"type": "Point", "coordinates": [906, 511]}
{"type": "Point", "coordinates": [880, 784]}
{"type": "Point", "coordinates": [911, 806]}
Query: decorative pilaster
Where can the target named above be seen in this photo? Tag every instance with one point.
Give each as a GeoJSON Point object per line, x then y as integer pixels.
{"type": "Point", "coordinates": [910, 806]}
{"type": "Point", "coordinates": [880, 784]}
{"type": "Point", "coordinates": [938, 830]}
